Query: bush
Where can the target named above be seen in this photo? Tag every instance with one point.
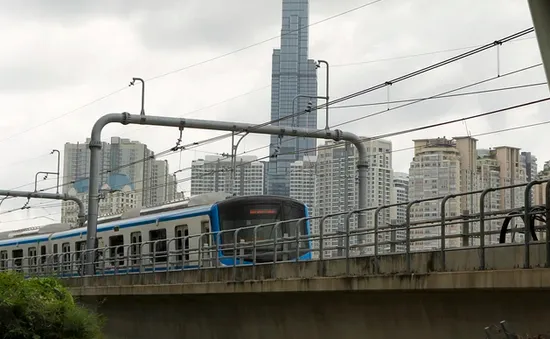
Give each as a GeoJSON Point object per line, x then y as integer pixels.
{"type": "Point", "coordinates": [42, 308]}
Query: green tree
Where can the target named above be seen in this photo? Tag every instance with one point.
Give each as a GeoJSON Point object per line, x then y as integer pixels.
{"type": "Point", "coordinates": [42, 308]}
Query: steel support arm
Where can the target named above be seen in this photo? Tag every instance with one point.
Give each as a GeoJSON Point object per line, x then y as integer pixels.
{"type": "Point", "coordinates": [51, 196]}
{"type": "Point", "coordinates": [128, 119]}
{"type": "Point", "coordinates": [540, 13]}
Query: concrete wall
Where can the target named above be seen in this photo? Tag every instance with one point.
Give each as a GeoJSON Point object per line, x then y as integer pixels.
{"type": "Point", "coordinates": [380, 315]}
{"type": "Point", "coordinates": [422, 265]}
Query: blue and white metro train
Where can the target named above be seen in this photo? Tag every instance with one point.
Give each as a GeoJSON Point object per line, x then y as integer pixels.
{"type": "Point", "coordinates": [159, 237]}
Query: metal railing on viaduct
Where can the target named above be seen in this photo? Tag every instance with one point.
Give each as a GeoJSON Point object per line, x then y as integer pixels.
{"type": "Point", "coordinates": [338, 238]}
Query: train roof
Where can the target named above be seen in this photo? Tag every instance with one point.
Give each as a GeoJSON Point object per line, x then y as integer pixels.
{"type": "Point", "coordinates": [199, 205]}
{"type": "Point", "coordinates": [138, 221]}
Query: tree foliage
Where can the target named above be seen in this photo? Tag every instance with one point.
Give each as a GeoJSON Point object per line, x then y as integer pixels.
{"type": "Point", "coordinates": [42, 308]}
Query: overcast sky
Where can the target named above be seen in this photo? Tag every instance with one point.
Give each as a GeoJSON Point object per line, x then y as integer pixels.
{"type": "Point", "coordinates": [58, 57]}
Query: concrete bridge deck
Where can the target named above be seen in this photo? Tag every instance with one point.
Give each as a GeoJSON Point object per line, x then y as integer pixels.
{"type": "Point", "coordinates": [460, 270]}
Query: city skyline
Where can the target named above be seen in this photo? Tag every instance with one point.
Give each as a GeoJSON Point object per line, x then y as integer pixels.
{"type": "Point", "coordinates": [358, 61]}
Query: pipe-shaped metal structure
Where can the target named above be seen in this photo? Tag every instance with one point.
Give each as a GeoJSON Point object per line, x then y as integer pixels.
{"type": "Point", "coordinates": [540, 13]}
{"type": "Point", "coordinates": [128, 119]}
{"type": "Point", "coordinates": [51, 196]}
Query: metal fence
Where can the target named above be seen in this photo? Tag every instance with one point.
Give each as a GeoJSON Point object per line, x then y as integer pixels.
{"type": "Point", "coordinates": [227, 249]}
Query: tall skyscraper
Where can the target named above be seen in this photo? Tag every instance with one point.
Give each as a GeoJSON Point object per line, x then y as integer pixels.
{"type": "Point", "coordinates": [293, 74]}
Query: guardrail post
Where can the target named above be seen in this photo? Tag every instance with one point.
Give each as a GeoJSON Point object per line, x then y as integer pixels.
{"type": "Point", "coordinates": [348, 217]}
{"type": "Point", "coordinates": [376, 220]}
{"type": "Point", "coordinates": [527, 224]}
{"type": "Point", "coordinates": [482, 227]}
{"type": "Point", "coordinates": [408, 236]}
{"type": "Point", "coordinates": [286, 239]}
{"type": "Point", "coordinates": [443, 231]}
{"type": "Point", "coordinates": [466, 229]}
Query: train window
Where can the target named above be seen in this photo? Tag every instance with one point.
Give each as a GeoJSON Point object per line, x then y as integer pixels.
{"type": "Point", "coordinates": [80, 247]}
{"type": "Point", "coordinates": [32, 257]}
{"type": "Point", "coordinates": [17, 255]}
{"type": "Point", "coordinates": [182, 241]}
{"type": "Point", "coordinates": [55, 256]}
{"type": "Point", "coordinates": [43, 254]}
{"type": "Point", "coordinates": [66, 249]}
{"type": "Point", "coordinates": [205, 229]}
{"type": "Point", "coordinates": [3, 260]}
{"type": "Point", "coordinates": [116, 248]}
{"type": "Point", "coordinates": [136, 246]}
{"type": "Point", "coordinates": [157, 247]}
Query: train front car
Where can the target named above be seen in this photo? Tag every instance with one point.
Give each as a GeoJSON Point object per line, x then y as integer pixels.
{"type": "Point", "coordinates": [261, 229]}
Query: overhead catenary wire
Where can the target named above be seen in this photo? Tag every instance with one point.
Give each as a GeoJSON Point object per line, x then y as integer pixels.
{"type": "Point", "coordinates": [217, 138]}
{"type": "Point", "coordinates": [406, 131]}
{"type": "Point", "coordinates": [192, 66]}
{"type": "Point", "coordinates": [401, 78]}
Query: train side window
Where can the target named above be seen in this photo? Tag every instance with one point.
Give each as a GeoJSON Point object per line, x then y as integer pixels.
{"type": "Point", "coordinates": [55, 256]}
{"type": "Point", "coordinates": [33, 262]}
{"type": "Point", "coordinates": [205, 229]}
{"type": "Point", "coordinates": [17, 256]}
{"type": "Point", "coordinates": [80, 247]}
{"type": "Point", "coordinates": [66, 249]}
{"type": "Point", "coordinates": [160, 249]}
{"type": "Point", "coordinates": [116, 248]}
{"type": "Point", "coordinates": [182, 241]}
{"type": "Point", "coordinates": [3, 260]}
{"type": "Point", "coordinates": [43, 254]}
{"type": "Point", "coordinates": [136, 241]}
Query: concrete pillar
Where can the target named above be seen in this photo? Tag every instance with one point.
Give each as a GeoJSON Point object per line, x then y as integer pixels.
{"type": "Point", "coordinates": [540, 13]}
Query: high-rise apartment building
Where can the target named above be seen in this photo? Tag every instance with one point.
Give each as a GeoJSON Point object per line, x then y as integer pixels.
{"type": "Point", "coordinates": [122, 162]}
{"type": "Point", "coordinates": [302, 181]}
{"type": "Point", "coordinates": [215, 174]}
{"type": "Point", "coordinates": [434, 171]}
{"type": "Point", "coordinates": [444, 167]}
{"type": "Point", "coordinates": [336, 188]}
{"type": "Point", "coordinates": [399, 195]}
{"type": "Point", "coordinates": [293, 75]}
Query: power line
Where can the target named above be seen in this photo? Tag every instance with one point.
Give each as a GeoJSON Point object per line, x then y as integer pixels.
{"type": "Point", "coordinates": [383, 136]}
{"type": "Point", "coordinates": [218, 138]}
{"type": "Point", "coordinates": [391, 82]}
{"type": "Point", "coordinates": [263, 41]}
{"type": "Point", "coordinates": [492, 90]}
{"type": "Point", "coordinates": [190, 66]}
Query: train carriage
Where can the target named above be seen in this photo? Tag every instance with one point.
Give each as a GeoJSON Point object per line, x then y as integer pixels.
{"type": "Point", "coordinates": [209, 230]}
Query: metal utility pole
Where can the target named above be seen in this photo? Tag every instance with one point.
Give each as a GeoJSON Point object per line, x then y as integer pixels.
{"type": "Point", "coordinates": [45, 177]}
{"type": "Point", "coordinates": [51, 196]}
{"type": "Point", "coordinates": [540, 13]}
{"type": "Point", "coordinates": [142, 93]}
{"type": "Point", "coordinates": [127, 119]}
{"type": "Point", "coordinates": [234, 148]}
{"type": "Point", "coordinates": [327, 88]}
{"type": "Point", "coordinates": [58, 167]}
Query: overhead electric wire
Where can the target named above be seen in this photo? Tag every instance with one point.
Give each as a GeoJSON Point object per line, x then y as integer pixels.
{"type": "Point", "coordinates": [395, 80]}
{"type": "Point", "coordinates": [217, 138]}
{"type": "Point", "coordinates": [263, 41]}
{"type": "Point", "coordinates": [391, 82]}
{"type": "Point", "coordinates": [192, 66]}
{"type": "Point", "coordinates": [509, 129]}
{"type": "Point", "coordinates": [483, 91]}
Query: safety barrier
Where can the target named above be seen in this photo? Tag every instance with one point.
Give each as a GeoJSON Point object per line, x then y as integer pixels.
{"type": "Point", "coordinates": [226, 249]}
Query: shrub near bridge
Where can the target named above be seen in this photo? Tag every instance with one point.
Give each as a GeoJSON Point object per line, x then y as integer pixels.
{"type": "Point", "coordinates": [42, 308]}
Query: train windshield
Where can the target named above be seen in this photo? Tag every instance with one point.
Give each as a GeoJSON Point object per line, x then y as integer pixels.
{"type": "Point", "coordinates": [246, 214]}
